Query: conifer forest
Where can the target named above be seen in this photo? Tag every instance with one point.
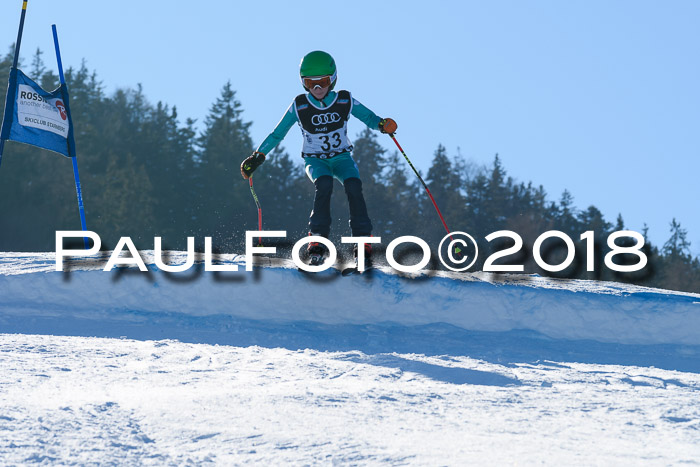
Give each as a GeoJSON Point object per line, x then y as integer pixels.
{"type": "Point", "coordinates": [147, 171]}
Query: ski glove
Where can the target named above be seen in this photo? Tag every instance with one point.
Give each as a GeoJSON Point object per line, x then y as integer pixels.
{"type": "Point", "coordinates": [251, 163]}
{"type": "Point", "coordinates": [387, 125]}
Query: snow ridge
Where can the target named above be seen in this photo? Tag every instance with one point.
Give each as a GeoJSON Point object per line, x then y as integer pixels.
{"type": "Point", "coordinates": [276, 292]}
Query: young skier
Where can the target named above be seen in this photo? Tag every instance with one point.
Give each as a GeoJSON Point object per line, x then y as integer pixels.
{"type": "Point", "coordinates": [322, 115]}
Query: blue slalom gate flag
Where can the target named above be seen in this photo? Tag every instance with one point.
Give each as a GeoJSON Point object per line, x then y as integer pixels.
{"type": "Point", "coordinates": [37, 117]}
{"type": "Point", "coordinates": [40, 118]}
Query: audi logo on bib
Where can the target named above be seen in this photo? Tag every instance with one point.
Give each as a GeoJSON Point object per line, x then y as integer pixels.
{"type": "Point", "coordinates": [323, 119]}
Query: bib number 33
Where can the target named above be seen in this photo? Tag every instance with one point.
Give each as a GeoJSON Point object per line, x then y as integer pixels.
{"type": "Point", "coordinates": [330, 141]}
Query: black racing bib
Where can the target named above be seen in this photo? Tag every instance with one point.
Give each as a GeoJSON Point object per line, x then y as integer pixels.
{"type": "Point", "coordinates": [325, 130]}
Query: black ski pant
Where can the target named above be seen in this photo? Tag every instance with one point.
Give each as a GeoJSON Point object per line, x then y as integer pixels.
{"type": "Point", "coordinates": [320, 220]}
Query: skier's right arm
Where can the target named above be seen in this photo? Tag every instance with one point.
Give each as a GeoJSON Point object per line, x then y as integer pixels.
{"type": "Point", "coordinates": [269, 143]}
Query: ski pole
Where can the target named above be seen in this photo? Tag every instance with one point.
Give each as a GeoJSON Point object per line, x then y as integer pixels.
{"type": "Point", "coordinates": [257, 203]}
{"type": "Point", "coordinates": [442, 219]}
{"type": "Point", "coordinates": [424, 185]}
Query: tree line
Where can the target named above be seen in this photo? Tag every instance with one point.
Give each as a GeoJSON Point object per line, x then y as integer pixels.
{"type": "Point", "coordinates": [146, 172]}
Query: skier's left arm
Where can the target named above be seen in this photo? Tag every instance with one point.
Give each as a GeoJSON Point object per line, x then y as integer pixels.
{"type": "Point", "coordinates": [369, 118]}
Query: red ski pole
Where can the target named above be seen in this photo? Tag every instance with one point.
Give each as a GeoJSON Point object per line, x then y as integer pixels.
{"type": "Point", "coordinates": [257, 203]}
{"type": "Point", "coordinates": [427, 190]}
{"type": "Point", "coordinates": [424, 185]}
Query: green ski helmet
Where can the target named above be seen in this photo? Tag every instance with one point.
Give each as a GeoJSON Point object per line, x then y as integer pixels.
{"type": "Point", "coordinates": [318, 63]}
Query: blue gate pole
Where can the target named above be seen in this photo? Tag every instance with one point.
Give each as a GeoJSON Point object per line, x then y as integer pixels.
{"type": "Point", "coordinates": [14, 64]}
{"type": "Point", "coordinates": [73, 157]}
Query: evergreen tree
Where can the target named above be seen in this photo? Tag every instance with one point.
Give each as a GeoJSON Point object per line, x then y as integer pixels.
{"type": "Point", "coordinates": [478, 218]}
{"type": "Point", "coordinates": [122, 198]}
{"type": "Point", "coordinates": [440, 178]}
{"type": "Point", "coordinates": [564, 215]}
{"type": "Point", "coordinates": [497, 197]}
{"type": "Point", "coordinates": [223, 207]}
{"type": "Point", "coordinates": [401, 208]}
{"type": "Point", "coordinates": [677, 247]}
{"type": "Point", "coordinates": [679, 270]}
{"type": "Point", "coordinates": [167, 151]}
{"type": "Point", "coordinates": [445, 185]}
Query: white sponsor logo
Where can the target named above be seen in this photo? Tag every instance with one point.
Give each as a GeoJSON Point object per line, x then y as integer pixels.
{"type": "Point", "coordinates": [36, 111]}
{"type": "Point", "coordinates": [324, 119]}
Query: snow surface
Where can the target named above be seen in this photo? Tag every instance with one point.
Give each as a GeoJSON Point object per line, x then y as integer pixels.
{"type": "Point", "coordinates": [278, 366]}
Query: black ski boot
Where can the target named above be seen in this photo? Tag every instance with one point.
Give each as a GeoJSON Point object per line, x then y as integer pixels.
{"type": "Point", "coordinates": [368, 255]}
{"type": "Point", "coordinates": [368, 261]}
{"type": "Point", "coordinates": [317, 253]}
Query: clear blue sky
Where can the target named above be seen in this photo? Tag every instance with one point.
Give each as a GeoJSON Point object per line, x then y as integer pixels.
{"type": "Point", "coordinates": [601, 98]}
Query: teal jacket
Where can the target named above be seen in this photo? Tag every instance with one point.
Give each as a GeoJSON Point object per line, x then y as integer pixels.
{"type": "Point", "coordinates": [359, 111]}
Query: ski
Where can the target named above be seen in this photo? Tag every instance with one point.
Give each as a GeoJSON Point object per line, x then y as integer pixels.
{"type": "Point", "coordinates": [317, 259]}
{"type": "Point", "coordinates": [353, 270]}
{"type": "Point", "coordinates": [325, 273]}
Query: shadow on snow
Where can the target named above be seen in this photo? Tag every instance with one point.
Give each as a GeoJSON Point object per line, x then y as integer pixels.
{"type": "Point", "coordinates": [503, 348]}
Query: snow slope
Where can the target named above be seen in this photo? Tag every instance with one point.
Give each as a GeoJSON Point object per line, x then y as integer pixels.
{"type": "Point", "coordinates": [560, 309]}
{"type": "Point", "coordinates": [279, 366]}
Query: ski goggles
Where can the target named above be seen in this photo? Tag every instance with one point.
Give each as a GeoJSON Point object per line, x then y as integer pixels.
{"type": "Point", "coordinates": [311, 82]}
